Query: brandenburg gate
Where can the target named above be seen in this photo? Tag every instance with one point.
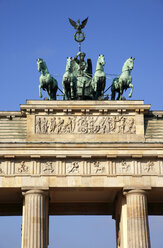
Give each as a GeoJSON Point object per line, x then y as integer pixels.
{"type": "Point", "coordinates": [85, 158]}
{"type": "Point", "coordinates": [84, 155]}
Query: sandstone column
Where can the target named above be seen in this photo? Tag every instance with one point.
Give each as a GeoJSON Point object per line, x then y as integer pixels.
{"type": "Point", "coordinates": [120, 216]}
{"type": "Point", "coordinates": [137, 219]}
{"type": "Point", "coordinates": [35, 219]}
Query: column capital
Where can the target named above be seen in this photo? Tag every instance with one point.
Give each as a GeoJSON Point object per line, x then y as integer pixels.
{"type": "Point", "coordinates": [35, 191]}
{"type": "Point", "coordinates": [135, 192]}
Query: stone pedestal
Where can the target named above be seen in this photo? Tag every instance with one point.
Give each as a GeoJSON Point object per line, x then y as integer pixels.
{"type": "Point", "coordinates": [137, 219]}
{"type": "Point", "coordinates": [35, 219]}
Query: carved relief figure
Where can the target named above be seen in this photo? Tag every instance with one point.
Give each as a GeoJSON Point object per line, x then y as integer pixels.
{"type": "Point", "coordinates": [23, 168]}
{"type": "Point", "coordinates": [129, 125]}
{"type": "Point", "coordinates": [52, 125]}
{"type": "Point", "coordinates": [60, 125]}
{"type": "Point", "coordinates": [82, 125]}
{"type": "Point", "coordinates": [38, 126]}
{"type": "Point", "coordinates": [125, 166]}
{"type": "Point", "coordinates": [74, 168]}
{"type": "Point", "coordinates": [99, 168]}
{"type": "Point", "coordinates": [69, 125]}
{"type": "Point", "coordinates": [45, 125]}
{"type": "Point", "coordinates": [48, 167]}
{"type": "Point", "coordinates": [149, 166]}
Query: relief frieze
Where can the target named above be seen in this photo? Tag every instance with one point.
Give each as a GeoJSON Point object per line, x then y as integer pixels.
{"type": "Point", "coordinates": [80, 167]}
{"type": "Point", "coordinates": [113, 124]}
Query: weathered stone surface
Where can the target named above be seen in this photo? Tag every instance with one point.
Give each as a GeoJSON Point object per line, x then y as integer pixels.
{"type": "Point", "coordinates": [13, 128]}
{"type": "Point", "coordinates": [131, 215]}
{"type": "Point", "coordinates": [80, 143]}
{"type": "Point", "coordinates": [154, 126]}
{"type": "Point", "coordinates": [35, 220]}
{"type": "Point", "coordinates": [85, 122]}
{"type": "Point", "coordinates": [137, 219]}
{"type": "Point", "coordinates": [84, 153]}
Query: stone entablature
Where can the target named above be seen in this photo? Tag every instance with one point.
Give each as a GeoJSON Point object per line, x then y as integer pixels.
{"type": "Point", "coordinates": [99, 121]}
{"type": "Point", "coordinates": [78, 167]}
{"type": "Point", "coordinates": [109, 173]}
{"type": "Point", "coordinates": [82, 157]}
{"type": "Point", "coordinates": [78, 144]}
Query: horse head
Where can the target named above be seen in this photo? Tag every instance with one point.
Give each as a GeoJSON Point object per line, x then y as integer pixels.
{"type": "Point", "coordinates": [129, 64]}
{"type": "Point", "coordinates": [42, 65]}
{"type": "Point", "coordinates": [69, 64]}
{"type": "Point", "coordinates": [101, 59]}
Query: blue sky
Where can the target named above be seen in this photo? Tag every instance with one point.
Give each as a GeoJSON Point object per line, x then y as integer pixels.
{"type": "Point", "coordinates": [76, 231]}
{"type": "Point", "coordinates": [118, 29]}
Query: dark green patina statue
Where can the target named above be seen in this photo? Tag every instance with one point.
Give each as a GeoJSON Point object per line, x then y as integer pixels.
{"type": "Point", "coordinates": [123, 82]}
{"type": "Point", "coordinates": [78, 81]}
{"type": "Point", "coordinates": [79, 36]}
{"type": "Point", "coordinates": [47, 82]}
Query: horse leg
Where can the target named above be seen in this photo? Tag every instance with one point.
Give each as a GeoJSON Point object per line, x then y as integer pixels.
{"type": "Point", "coordinates": [64, 90]}
{"type": "Point", "coordinates": [55, 93]}
{"type": "Point", "coordinates": [54, 89]}
{"type": "Point", "coordinates": [113, 95]}
{"type": "Point", "coordinates": [71, 90]}
{"type": "Point", "coordinates": [74, 89]}
{"type": "Point", "coordinates": [40, 94]}
{"type": "Point", "coordinates": [94, 87]}
{"type": "Point", "coordinates": [131, 86]}
{"type": "Point", "coordinates": [103, 86]}
{"type": "Point", "coordinates": [49, 91]}
{"type": "Point", "coordinates": [113, 90]}
{"type": "Point", "coordinates": [50, 98]}
{"type": "Point", "coordinates": [97, 90]}
{"type": "Point", "coordinates": [68, 90]}
{"type": "Point", "coordinates": [120, 90]}
{"type": "Point", "coordinates": [119, 96]}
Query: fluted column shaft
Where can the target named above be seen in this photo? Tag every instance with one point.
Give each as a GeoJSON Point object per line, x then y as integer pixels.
{"type": "Point", "coordinates": [137, 219]}
{"type": "Point", "coordinates": [35, 219]}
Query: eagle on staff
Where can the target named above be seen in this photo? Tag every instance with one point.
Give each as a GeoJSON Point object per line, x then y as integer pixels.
{"type": "Point", "coordinates": [77, 25]}
{"type": "Point", "coordinates": [79, 36]}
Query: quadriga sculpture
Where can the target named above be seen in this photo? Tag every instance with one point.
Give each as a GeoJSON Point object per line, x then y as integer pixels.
{"type": "Point", "coordinates": [69, 81]}
{"type": "Point", "coordinates": [47, 82]}
{"type": "Point", "coordinates": [123, 82]}
{"type": "Point", "coordinates": [99, 78]}
{"type": "Point", "coordinates": [78, 82]}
